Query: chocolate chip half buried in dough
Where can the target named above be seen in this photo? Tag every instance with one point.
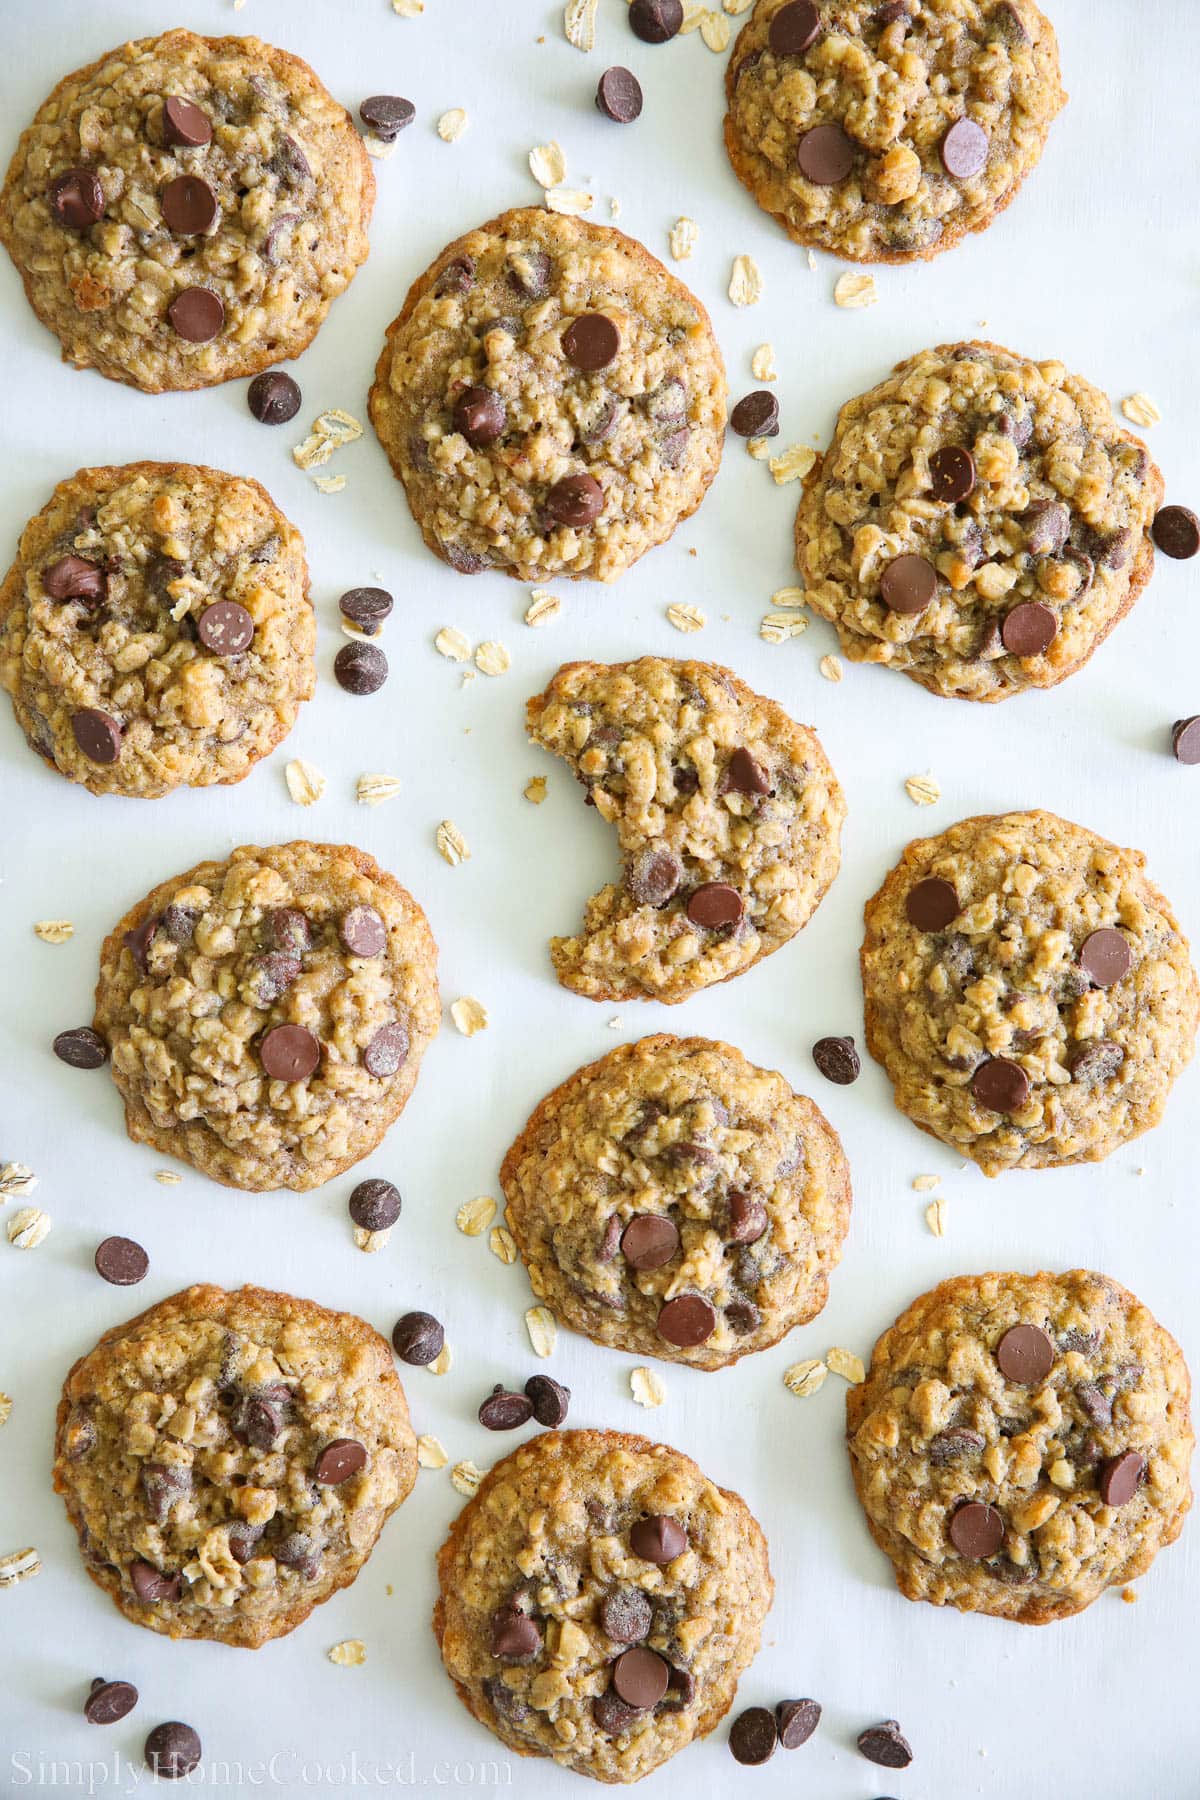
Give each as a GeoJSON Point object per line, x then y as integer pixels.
{"type": "Point", "coordinates": [825, 155]}
{"type": "Point", "coordinates": [908, 584]}
{"type": "Point", "coordinates": [387, 115]}
{"type": "Point", "coordinates": [686, 1321]}
{"type": "Point", "coordinates": [965, 149]}
{"type": "Point", "coordinates": [74, 578]}
{"type": "Point", "coordinates": [184, 123]}
{"type": "Point", "coordinates": [375, 1204]}
{"type": "Point", "coordinates": [77, 199]}
{"type": "Point", "coordinates": [1001, 1085]}
{"type": "Point", "coordinates": [1185, 740]}
{"type": "Point", "coordinates": [189, 206]}
{"type": "Point", "coordinates": [748, 1218]}
{"type": "Point", "coordinates": [503, 1411]}
{"type": "Point", "coordinates": [290, 1053]}
{"type": "Point", "coordinates": [591, 341]}
{"type": "Point", "coordinates": [658, 1539]}
{"type": "Point", "coordinates": [976, 1530]}
{"type": "Point", "coordinates": [649, 1240]}
{"type": "Point", "coordinates": [797, 1720]}
{"type": "Point", "coordinates": [97, 734]}
{"type": "Point", "coordinates": [753, 1736]}
{"type": "Point", "coordinates": [479, 414]}
{"type": "Point", "coordinates": [756, 415]}
{"type": "Point", "coordinates": [1025, 1354]}
{"type": "Point", "coordinates": [151, 1585]}
{"type": "Point", "coordinates": [197, 314]}
{"type": "Point", "coordinates": [109, 1701]}
{"type": "Point", "coordinates": [1176, 532]}
{"type": "Point", "coordinates": [366, 607]}
{"type": "Point", "coordinates": [952, 473]}
{"type": "Point", "coordinates": [655, 21]}
{"type": "Point", "coordinates": [640, 1677]}
{"type": "Point", "coordinates": [619, 95]}
{"type": "Point", "coordinates": [1095, 1062]}
{"type": "Point", "coordinates": [745, 776]}
{"type": "Point", "coordinates": [417, 1339]}
{"type": "Point", "coordinates": [794, 28]}
{"type": "Point", "coordinates": [273, 397]}
{"type": "Point", "coordinates": [1029, 629]}
{"type": "Point", "coordinates": [121, 1261]}
{"type": "Point", "coordinates": [1121, 1478]}
{"type": "Point", "coordinates": [653, 877]}
{"type": "Point", "coordinates": [626, 1615]}
{"type": "Point", "coordinates": [387, 1051]}
{"type": "Point", "coordinates": [81, 1048]}
{"type": "Point", "coordinates": [172, 1750]}
{"type": "Point", "coordinates": [551, 1400]}
{"type": "Point", "coordinates": [362, 931]}
{"type": "Point", "coordinates": [932, 904]}
{"type": "Point", "coordinates": [576, 500]}
{"type": "Point", "coordinates": [360, 668]}
{"type": "Point", "coordinates": [886, 1745]}
{"type": "Point", "coordinates": [1105, 957]}
{"type": "Point", "coordinates": [837, 1059]}
{"type": "Point", "coordinates": [339, 1461]}
{"type": "Point", "coordinates": [714, 905]}
{"type": "Point", "coordinates": [225, 628]}
{"type": "Point", "coordinates": [515, 1636]}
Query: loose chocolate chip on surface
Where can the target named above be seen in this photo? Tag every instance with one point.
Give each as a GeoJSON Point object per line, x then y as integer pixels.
{"type": "Point", "coordinates": [81, 1048]}
{"type": "Point", "coordinates": [825, 155]}
{"type": "Point", "coordinates": [74, 578]}
{"type": "Point", "coordinates": [931, 905]}
{"type": "Point", "coordinates": [655, 21]}
{"type": "Point", "coordinates": [479, 414]}
{"type": "Point", "coordinates": [908, 584]}
{"type": "Point", "coordinates": [226, 628]}
{"type": "Point", "coordinates": [184, 123]}
{"type": "Point", "coordinates": [1106, 957]}
{"type": "Point", "coordinates": [654, 877]}
{"type": "Point", "coordinates": [551, 1400]}
{"type": "Point", "coordinates": [97, 734]}
{"type": "Point", "coordinates": [121, 1261]}
{"type": "Point", "coordinates": [576, 500]}
{"type": "Point", "coordinates": [619, 95]}
{"type": "Point", "coordinates": [976, 1531]}
{"type": "Point", "coordinates": [172, 1750]}
{"type": "Point", "coordinates": [756, 415]}
{"type": "Point", "coordinates": [1121, 1478]}
{"type": "Point", "coordinates": [965, 150]}
{"type": "Point", "coordinates": [273, 397]}
{"type": "Point", "coordinates": [591, 342]}
{"type": "Point", "coordinates": [658, 1539]}
{"type": "Point", "coordinates": [649, 1240]}
{"type": "Point", "coordinates": [1000, 1085]}
{"type": "Point", "coordinates": [748, 1218]}
{"type": "Point", "coordinates": [77, 199]}
{"type": "Point", "coordinates": [417, 1339]}
{"type": "Point", "coordinates": [339, 1461]}
{"type": "Point", "coordinates": [745, 776]}
{"type": "Point", "coordinates": [687, 1320]}
{"type": "Point", "coordinates": [360, 668]}
{"type": "Point", "coordinates": [837, 1059]}
{"type": "Point", "coordinates": [714, 905]}
{"type": "Point", "coordinates": [109, 1701]}
{"type": "Point", "coordinates": [753, 1736]}
{"type": "Point", "coordinates": [387, 1051]}
{"type": "Point", "coordinates": [1025, 1354]}
{"type": "Point", "coordinates": [387, 115]}
{"type": "Point", "coordinates": [796, 1721]}
{"type": "Point", "coordinates": [640, 1677]}
{"type": "Point", "coordinates": [375, 1204]}
{"type": "Point", "coordinates": [503, 1411]}
{"type": "Point", "coordinates": [290, 1053]}
{"type": "Point", "coordinates": [189, 206]}
{"type": "Point", "coordinates": [1185, 740]}
{"type": "Point", "coordinates": [1176, 532]}
{"type": "Point", "coordinates": [886, 1745]}
{"type": "Point", "coordinates": [794, 28]}
{"type": "Point", "coordinates": [151, 1585]}
{"type": "Point", "coordinates": [1029, 629]}
{"type": "Point", "coordinates": [363, 932]}
{"type": "Point", "coordinates": [197, 314]}
{"type": "Point", "coordinates": [952, 473]}
{"type": "Point", "coordinates": [626, 1615]}
{"type": "Point", "coordinates": [515, 1636]}
{"type": "Point", "coordinates": [366, 607]}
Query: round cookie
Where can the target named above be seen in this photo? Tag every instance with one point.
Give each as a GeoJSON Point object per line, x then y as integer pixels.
{"type": "Point", "coordinates": [885, 132]}
{"type": "Point", "coordinates": [184, 210]}
{"type": "Point", "coordinates": [979, 521]}
{"type": "Point", "coordinates": [673, 1200]}
{"type": "Point", "coordinates": [728, 820]}
{"type": "Point", "coordinates": [599, 1600]}
{"type": "Point", "coordinates": [1021, 1443]}
{"type": "Point", "coordinates": [267, 1014]}
{"type": "Point", "coordinates": [1028, 991]}
{"type": "Point", "coordinates": [552, 399]}
{"type": "Point", "coordinates": [229, 1460]}
{"type": "Point", "coordinates": [156, 628]}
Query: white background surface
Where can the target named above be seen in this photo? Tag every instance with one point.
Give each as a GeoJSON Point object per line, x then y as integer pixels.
{"type": "Point", "coordinates": [1097, 263]}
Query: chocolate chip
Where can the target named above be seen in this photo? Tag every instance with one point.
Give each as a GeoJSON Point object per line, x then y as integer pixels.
{"type": "Point", "coordinates": [286, 928]}
{"type": "Point", "coordinates": [269, 976]}
{"type": "Point", "coordinates": [681, 1690]}
{"type": "Point", "coordinates": [742, 1317]}
{"type": "Point", "coordinates": [756, 415]}
{"type": "Point", "coordinates": [640, 1677]}
{"type": "Point", "coordinates": [178, 923]}
{"type": "Point", "coordinates": [1007, 21]}
{"type": "Point", "coordinates": [197, 314]}
{"type": "Point", "coordinates": [610, 1239]}
{"type": "Point", "coordinates": [243, 1541]}
{"type": "Point", "coordinates": [837, 1059]}
{"type": "Point", "coordinates": [949, 1446]}
{"type": "Point", "coordinates": [184, 123]}
{"type": "Point", "coordinates": [121, 1261]}
{"type": "Point", "coordinates": [931, 905]}
{"type": "Point", "coordinates": [619, 95]}
{"type": "Point", "coordinates": [339, 1461]}
{"type": "Point", "coordinates": [976, 1530]}
{"type": "Point", "coordinates": [796, 1720]}
{"type": "Point", "coordinates": [825, 154]}
{"type": "Point", "coordinates": [74, 578]}
{"type": "Point", "coordinates": [362, 931]}
{"type": "Point", "coordinates": [97, 734]}
{"type": "Point", "coordinates": [515, 1636]}
{"type": "Point", "coordinates": [387, 115]}
{"type": "Point", "coordinates": [479, 414]}
{"type": "Point", "coordinates": [626, 1615]}
{"type": "Point", "coordinates": [745, 776]}
{"type": "Point", "coordinates": [1046, 523]}
{"type": "Point", "coordinates": [298, 1551]}
{"type": "Point", "coordinates": [1087, 568]}
{"type": "Point", "coordinates": [891, 11]}
{"type": "Point", "coordinates": [504, 1411]}
{"type": "Point", "coordinates": [1106, 957]}
{"type": "Point", "coordinates": [714, 905]}
{"type": "Point", "coordinates": [289, 163]}
{"type": "Point", "coordinates": [1025, 1354]}
{"type": "Point", "coordinates": [952, 473]}
{"type": "Point", "coordinates": [886, 1745]}
{"type": "Point", "coordinates": [1000, 1085]}
{"type": "Point", "coordinates": [375, 1204]}
{"type": "Point", "coordinates": [667, 403]}
{"type": "Point", "coordinates": [387, 1051]}
{"type": "Point", "coordinates": [458, 276]}
{"type": "Point", "coordinates": [258, 1418]}
{"type": "Point", "coordinates": [81, 1048]}
{"type": "Point", "coordinates": [139, 940]}
{"type": "Point", "coordinates": [109, 1701]}
{"type": "Point", "coordinates": [653, 877]}
{"type": "Point", "coordinates": [273, 397]}
{"type": "Point", "coordinates": [551, 1400]}
{"type": "Point", "coordinates": [794, 28]}
{"type": "Point", "coordinates": [686, 1321]}
{"type": "Point", "coordinates": [77, 199]}
{"type": "Point", "coordinates": [611, 1714]}
{"type": "Point", "coordinates": [289, 1053]}
{"type": "Point", "coordinates": [655, 21]}
{"type": "Point", "coordinates": [151, 1585]}
{"type": "Point", "coordinates": [649, 1240]}
{"type": "Point", "coordinates": [658, 1539]}
{"type": "Point", "coordinates": [1095, 1403]}
{"type": "Point", "coordinates": [591, 342]}
{"type": "Point", "coordinates": [1121, 1478]}
{"type": "Point", "coordinates": [576, 500]}
{"type": "Point", "coordinates": [1176, 531]}
{"type": "Point", "coordinates": [908, 584]}
{"type": "Point", "coordinates": [748, 1218]}
{"type": "Point", "coordinates": [753, 1734]}
{"type": "Point", "coordinates": [508, 1704]}
{"type": "Point", "coordinates": [164, 1485]}
{"type": "Point", "coordinates": [226, 628]}
{"type": "Point", "coordinates": [1185, 740]}
{"type": "Point", "coordinates": [965, 150]}
{"type": "Point", "coordinates": [79, 1438]}
{"type": "Point", "coordinates": [366, 607]}
{"type": "Point", "coordinates": [417, 1339]}
{"type": "Point", "coordinates": [189, 206]}
{"type": "Point", "coordinates": [172, 1750]}
{"type": "Point", "coordinates": [1029, 629]}
{"type": "Point", "coordinates": [360, 668]}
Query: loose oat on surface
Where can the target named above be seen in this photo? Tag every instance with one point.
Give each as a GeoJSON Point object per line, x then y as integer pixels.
{"type": "Point", "coordinates": [28, 1227]}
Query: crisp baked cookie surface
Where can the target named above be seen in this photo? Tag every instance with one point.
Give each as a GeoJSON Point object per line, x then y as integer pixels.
{"type": "Point", "coordinates": [1028, 991]}
{"type": "Point", "coordinates": [979, 521]}
{"type": "Point", "coordinates": [267, 1015]}
{"type": "Point", "coordinates": [1022, 1442]}
{"type": "Point", "coordinates": [885, 131]}
{"type": "Point", "coordinates": [728, 820]}
{"type": "Point", "coordinates": [599, 1599]}
{"type": "Point", "coordinates": [229, 1459]}
{"type": "Point", "coordinates": [673, 1200]}
{"type": "Point", "coordinates": [184, 209]}
{"type": "Point", "coordinates": [156, 628]}
{"type": "Point", "coordinates": [552, 399]}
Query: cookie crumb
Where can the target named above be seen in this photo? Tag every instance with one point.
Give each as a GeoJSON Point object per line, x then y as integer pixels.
{"type": "Point", "coordinates": [54, 931]}
{"type": "Point", "coordinates": [535, 790]}
{"type": "Point", "coordinates": [469, 1016]}
{"type": "Point", "coordinates": [1129, 1596]}
{"type": "Point", "coordinates": [350, 1654]}
{"type": "Point", "coordinates": [646, 1387]}
{"type": "Point", "coordinates": [804, 1378]}
{"type": "Point", "coordinates": [474, 1216]}
{"type": "Point", "coordinates": [451, 843]}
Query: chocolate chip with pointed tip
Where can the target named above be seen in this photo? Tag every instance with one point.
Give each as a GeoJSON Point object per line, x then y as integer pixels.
{"type": "Point", "coordinates": [375, 1204]}
{"type": "Point", "coordinates": [184, 123]}
{"type": "Point", "coordinates": [756, 415]}
{"type": "Point", "coordinates": [515, 1637]}
{"type": "Point", "coordinates": [886, 1745]}
{"type": "Point", "coordinates": [655, 21]}
{"type": "Point", "coordinates": [387, 115]}
{"type": "Point", "coordinates": [745, 776]}
{"type": "Point", "coordinates": [173, 1750]}
{"type": "Point", "coordinates": [81, 1048]}
{"type": "Point", "coordinates": [796, 1720]}
{"type": "Point", "coordinates": [151, 1586]}
{"type": "Point", "coordinates": [360, 668]}
{"type": "Point", "coordinates": [366, 607]}
{"type": "Point", "coordinates": [109, 1701]}
{"type": "Point", "coordinates": [504, 1411]}
{"type": "Point", "coordinates": [658, 1539]}
{"type": "Point", "coordinates": [837, 1059]}
{"type": "Point", "coordinates": [551, 1400]}
{"type": "Point", "coordinates": [273, 397]}
{"type": "Point", "coordinates": [418, 1339]}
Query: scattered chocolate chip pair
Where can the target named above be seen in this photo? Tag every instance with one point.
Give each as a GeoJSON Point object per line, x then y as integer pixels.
{"type": "Point", "coordinates": [544, 1399]}
{"type": "Point", "coordinates": [172, 1750]}
{"type": "Point", "coordinates": [363, 668]}
{"type": "Point", "coordinates": [756, 1732]}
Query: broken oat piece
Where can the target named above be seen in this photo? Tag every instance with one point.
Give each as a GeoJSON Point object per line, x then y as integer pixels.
{"type": "Point", "coordinates": [727, 814]}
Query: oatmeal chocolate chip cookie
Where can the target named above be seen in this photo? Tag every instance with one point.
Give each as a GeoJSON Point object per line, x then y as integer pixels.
{"type": "Point", "coordinates": [156, 628]}
{"type": "Point", "coordinates": [1028, 991]}
{"type": "Point", "coordinates": [885, 132]}
{"type": "Point", "coordinates": [979, 521]}
{"type": "Point", "coordinates": [267, 1015]}
{"type": "Point", "coordinates": [673, 1200]}
{"type": "Point", "coordinates": [1022, 1442]}
{"type": "Point", "coordinates": [229, 1459]}
{"type": "Point", "coordinates": [184, 210]}
{"type": "Point", "coordinates": [552, 399]}
{"type": "Point", "coordinates": [728, 818]}
{"type": "Point", "coordinates": [600, 1598]}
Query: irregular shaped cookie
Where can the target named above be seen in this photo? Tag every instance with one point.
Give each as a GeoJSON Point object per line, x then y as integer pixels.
{"type": "Point", "coordinates": [267, 1015]}
{"type": "Point", "coordinates": [156, 628]}
{"type": "Point", "coordinates": [184, 210]}
{"type": "Point", "coordinates": [728, 818]}
{"type": "Point", "coordinates": [672, 1200]}
{"type": "Point", "coordinates": [1028, 991]}
{"type": "Point", "coordinates": [552, 399]}
{"type": "Point", "coordinates": [979, 521]}
{"type": "Point", "coordinates": [229, 1459]}
{"type": "Point", "coordinates": [1022, 1442]}
{"type": "Point", "coordinates": [884, 132]}
{"type": "Point", "coordinates": [599, 1599]}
